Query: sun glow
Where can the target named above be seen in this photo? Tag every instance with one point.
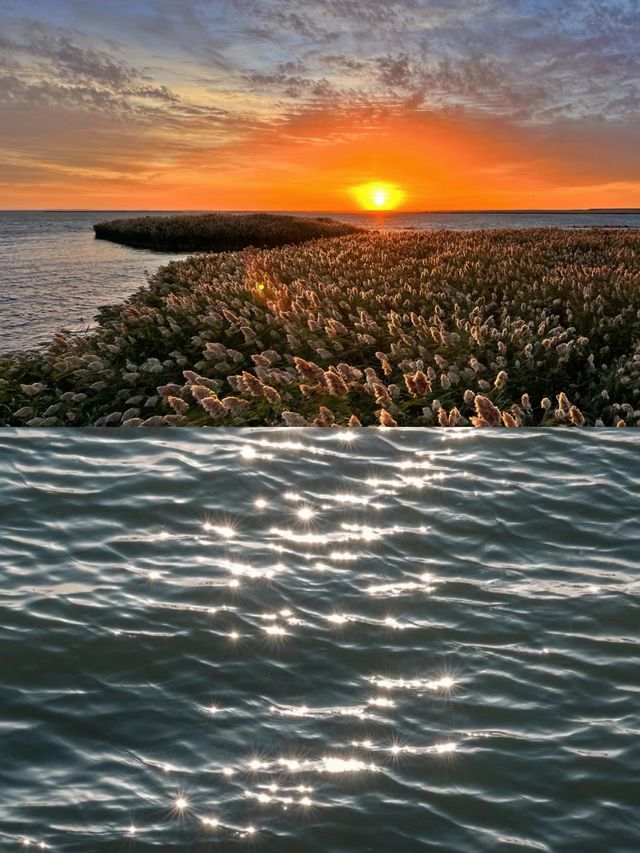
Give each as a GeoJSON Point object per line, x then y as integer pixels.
{"type": "Point", "coordinates": [378, 195]}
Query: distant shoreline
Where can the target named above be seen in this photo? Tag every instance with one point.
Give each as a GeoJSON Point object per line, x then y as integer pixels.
{"type": "Point", "coordinates": [606, 211]}
{"type": "Point", "coordinates": [614, 211]}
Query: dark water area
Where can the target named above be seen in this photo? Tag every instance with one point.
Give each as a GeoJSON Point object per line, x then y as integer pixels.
{"type": "Point", "coordinates": [55, 275]}
{"type": "Point", "coordinates": [281, 640]}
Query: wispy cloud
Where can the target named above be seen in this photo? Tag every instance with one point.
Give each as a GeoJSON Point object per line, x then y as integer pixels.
{"type": "Point", "coordinates": [150, 88]}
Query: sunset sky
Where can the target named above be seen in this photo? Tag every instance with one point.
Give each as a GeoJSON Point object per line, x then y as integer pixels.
{"type": "Point", "coordinates": [281, 105]}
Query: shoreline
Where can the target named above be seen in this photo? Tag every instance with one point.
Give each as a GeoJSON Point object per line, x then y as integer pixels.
{"type": "Point", "coordinates": [241, 338]}
{"type": "Point", "coordinates": [44, 341]}
{"type": "Point", "coordinates": [613, 211]}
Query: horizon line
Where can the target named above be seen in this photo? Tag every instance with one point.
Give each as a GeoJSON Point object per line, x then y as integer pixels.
{"type": "Point", "coordinates": [522, 210]}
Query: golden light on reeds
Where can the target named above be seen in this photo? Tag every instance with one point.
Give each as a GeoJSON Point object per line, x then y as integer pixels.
{"type": "Point", "coordinates": [378, 195]}
{"type": "Point", "coordinates": [443, 328]}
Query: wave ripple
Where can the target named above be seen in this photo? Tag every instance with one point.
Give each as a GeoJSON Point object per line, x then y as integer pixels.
{"type": "Point", "coordinates": [313, 640]}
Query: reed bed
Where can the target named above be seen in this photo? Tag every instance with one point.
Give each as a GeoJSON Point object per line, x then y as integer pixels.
{"type": "Point", "coordinates": [484, 328]}
{"type": "Point", "coordinates": [218, 232]}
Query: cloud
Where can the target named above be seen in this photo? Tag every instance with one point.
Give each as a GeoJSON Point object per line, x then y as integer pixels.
{"type": "Point", "coordinates": [533, 58]}
{"type": "Point", "coordinates": [54, 61]}
{"type": "Point", "coordinates": [141, 87]}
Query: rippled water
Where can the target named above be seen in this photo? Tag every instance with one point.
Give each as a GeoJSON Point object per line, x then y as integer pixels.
{"type": "Point", "coordinates": [292, 641]}
{"type": "Point", "coordinates": [54, 274]}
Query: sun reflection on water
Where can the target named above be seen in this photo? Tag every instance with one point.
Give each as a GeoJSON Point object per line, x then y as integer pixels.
{"type": "Point", "coordinates": [181, 803]}
{"type": "Point", "coordinates": [339, 536]}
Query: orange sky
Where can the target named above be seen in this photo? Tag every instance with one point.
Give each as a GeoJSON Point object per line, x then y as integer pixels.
{"type": "Point", "coordinates": [238, 106]}
{"type": "Point", "coordinates": [313, 161]}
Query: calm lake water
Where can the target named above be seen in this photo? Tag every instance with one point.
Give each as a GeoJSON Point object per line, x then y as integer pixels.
{"type": "Point", "coordinates": [287, 641]}
{"type": "Point", "coordinates": [54, 274]}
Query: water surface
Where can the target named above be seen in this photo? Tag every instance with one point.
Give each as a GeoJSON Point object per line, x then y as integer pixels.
{"type": "Point", "coordinates": [55, 275]}
{"type": "Point", "coordinates": [286, 640]}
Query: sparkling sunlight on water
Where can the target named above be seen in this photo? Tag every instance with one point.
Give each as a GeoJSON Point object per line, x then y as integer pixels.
{"type": "Point", "coordinates": [274, 637]}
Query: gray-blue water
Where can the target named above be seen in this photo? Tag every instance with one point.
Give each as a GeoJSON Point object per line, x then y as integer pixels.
{"type": "Point", "coordinates": [54, 274]}
{"type": "Point", "coordinates": [290, 641]}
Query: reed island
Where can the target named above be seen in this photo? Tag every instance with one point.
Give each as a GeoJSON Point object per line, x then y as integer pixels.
{"type": "Point", "coordinates": [218, 232]}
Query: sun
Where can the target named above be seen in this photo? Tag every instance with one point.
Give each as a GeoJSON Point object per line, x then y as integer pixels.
{"type": "Point", "coordinates": [378, 195]}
